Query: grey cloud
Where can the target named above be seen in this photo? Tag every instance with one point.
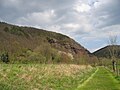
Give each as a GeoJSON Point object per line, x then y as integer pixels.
{"type": "Point", "coordinates": [20, 11]}
{"type": "Point", "coordinates": [18, 8]}
{"type": "Point", "coordinates": [107, 13]}
{"type": "Point", "coordinates": [61, 16]}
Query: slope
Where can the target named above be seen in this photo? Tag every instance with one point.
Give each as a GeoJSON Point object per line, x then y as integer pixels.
{"type": "Point", "coordinates": [27, 44]}
{"type": "Point", "coordinates": [104, 52]}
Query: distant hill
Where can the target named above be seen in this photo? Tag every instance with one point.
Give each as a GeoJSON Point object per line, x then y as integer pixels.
{"type": "Point", "coordinates": [104, 52]}
{"type": "Point", "coordinates": [28, 44]}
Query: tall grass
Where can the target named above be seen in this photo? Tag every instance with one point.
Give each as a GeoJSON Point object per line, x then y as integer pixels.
{"type": "Point", "coordinates": [102, 80]}
{"type": "Point", "coordinates": [42, 77]}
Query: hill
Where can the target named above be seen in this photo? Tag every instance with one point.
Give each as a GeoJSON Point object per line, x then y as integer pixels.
{"type": "Point", "coordinates": [104, 52]}
{"type": "Point", "coordinates": [28, 44]}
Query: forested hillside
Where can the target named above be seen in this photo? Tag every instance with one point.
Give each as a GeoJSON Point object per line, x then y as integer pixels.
{"type": "Point", "coordinates": [105, 51]}
{"type": "Point", "coordinates": [27, 44]}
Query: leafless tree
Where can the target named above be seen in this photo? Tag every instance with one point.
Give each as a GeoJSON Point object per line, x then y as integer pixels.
{"type": "Point", "coordinates": [112, 41]}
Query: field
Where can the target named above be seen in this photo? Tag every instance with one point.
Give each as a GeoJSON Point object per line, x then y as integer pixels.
{"type": "Point", "coordinates": [101, 80]}
{"type": "Point", "coordinates": [56, 77]}
{"type": "Point", "coordinates": [43, 77]}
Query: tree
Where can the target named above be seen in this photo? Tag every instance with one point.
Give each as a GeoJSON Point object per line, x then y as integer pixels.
{"type": "Point", "coordinates": [6, 29]}
{"type": "Point", "coordinates": [112, 41]}
{"type": "Point", "coordinates": [5, 57]}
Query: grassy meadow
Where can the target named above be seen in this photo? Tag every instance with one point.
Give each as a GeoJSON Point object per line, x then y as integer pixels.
{"type": "Point", "coordinates": [102, 80]}
{"type": "Point", "coordinates": [43, 76]}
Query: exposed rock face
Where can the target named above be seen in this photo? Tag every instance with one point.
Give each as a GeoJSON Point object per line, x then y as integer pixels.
{"type": "Point", "coordinates": [71, 47]}
{"type": "Point", "coordinates": [68, 54]}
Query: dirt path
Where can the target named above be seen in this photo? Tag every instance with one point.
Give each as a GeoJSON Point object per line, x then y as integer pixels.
{"type": "Point", "coordinates": [100, 80]}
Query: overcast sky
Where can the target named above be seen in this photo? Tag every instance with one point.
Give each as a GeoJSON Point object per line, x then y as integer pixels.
{"type": "Point", "coordinates": [89, 22]}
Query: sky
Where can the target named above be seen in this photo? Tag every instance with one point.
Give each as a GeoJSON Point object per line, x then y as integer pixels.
{"type": "Point", "coordinates": [89, 22]}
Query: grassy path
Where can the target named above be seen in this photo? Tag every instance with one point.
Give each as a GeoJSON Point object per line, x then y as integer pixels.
{"type": "Point", "coordinates": [100, 80]}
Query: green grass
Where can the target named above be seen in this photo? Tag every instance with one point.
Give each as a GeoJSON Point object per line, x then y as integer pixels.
{"type": "Point", "coordinates": [42, 77]}
{"type": "Point", "coordinates": [102, 80]}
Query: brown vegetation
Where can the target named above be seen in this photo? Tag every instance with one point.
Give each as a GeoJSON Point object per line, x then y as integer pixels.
{"type": "Point", "coordinates": [26, 44]}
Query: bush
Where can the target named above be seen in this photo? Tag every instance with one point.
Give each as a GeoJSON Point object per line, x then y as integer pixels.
{"type": "Point", "coordinates": [6, 29]}
{"type": "Point", "coordinates": [5, 57]}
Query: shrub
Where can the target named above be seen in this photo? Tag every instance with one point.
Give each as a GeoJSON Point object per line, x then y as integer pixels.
{"type": "Point", "coordinates": [5, 57]}
{"type": "Point", "coordinates": [6, 29]}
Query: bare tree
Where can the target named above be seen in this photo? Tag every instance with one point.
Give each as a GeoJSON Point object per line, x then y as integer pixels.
{"type": "Point", "coordinates": [112, 41]}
